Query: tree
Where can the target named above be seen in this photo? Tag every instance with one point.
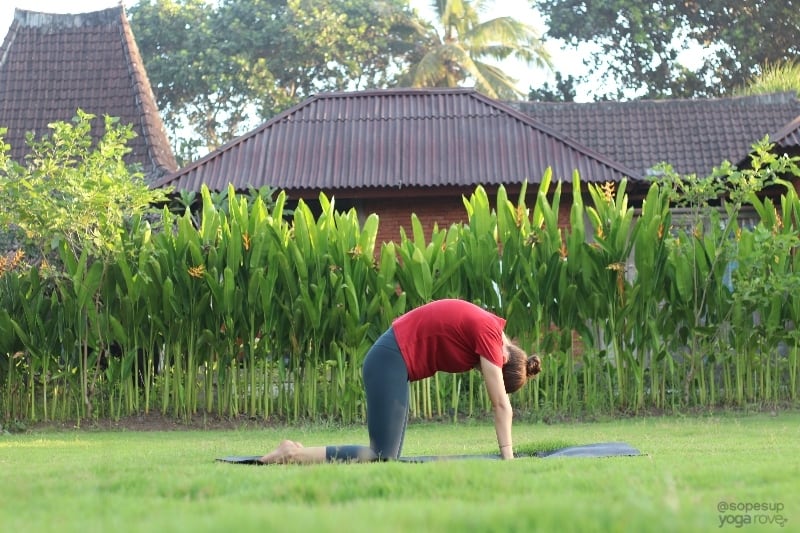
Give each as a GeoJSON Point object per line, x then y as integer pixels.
{"type": "Point", "coordinates": [326, 45]}
{"type": "Point", "coordinates": [219, 68]}
{"type": "Point", "coordinates": [200, 83]}
{"type": "Point", "coordinates": [637, 46]}
{"type": "Point", "coordinates": [458, 48]}
{"type": "Point", "coordinates": [73, 192]}
{"type": "Point", "coordinates": [563, 91]}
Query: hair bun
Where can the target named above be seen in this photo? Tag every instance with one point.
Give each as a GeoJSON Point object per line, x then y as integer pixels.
{"type": "Point", "coordinates": [534, 365]}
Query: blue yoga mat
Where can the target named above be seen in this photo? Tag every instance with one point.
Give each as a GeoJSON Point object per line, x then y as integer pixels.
{"type": "Point", "coordinates": [603, 449]}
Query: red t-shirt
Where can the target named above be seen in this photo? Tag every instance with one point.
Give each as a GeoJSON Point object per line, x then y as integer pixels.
{"type": "Point", "coordinates": [448, 336]}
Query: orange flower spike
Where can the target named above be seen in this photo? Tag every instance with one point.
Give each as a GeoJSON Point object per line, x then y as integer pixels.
{"type": "Point", "coordinates": [197, 271]}
{"type": "Point", "coordinates": [619, 268]}
{"type": "Point", "coordinates": [608, 191]}
{"type": "Point", "coordinates": [19, 255]}
{"type": "Point", "coordinates": [246, 240]}
{"type": "Point", "coordinates": [520, 215]}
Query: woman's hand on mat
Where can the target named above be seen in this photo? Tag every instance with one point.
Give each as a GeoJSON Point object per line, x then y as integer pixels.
{"type": "Point", "coordinates": [282, 454]}
{"type": "Point", "coordinates": [507, 452]}
{"type": "Point", "coordinates": [503, 413]}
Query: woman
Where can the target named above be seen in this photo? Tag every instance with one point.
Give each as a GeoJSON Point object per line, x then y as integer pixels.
{"type": "Point", "coordinates": [446, 335]}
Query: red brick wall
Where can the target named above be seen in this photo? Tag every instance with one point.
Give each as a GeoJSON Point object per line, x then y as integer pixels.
{"type": "Point", "coordinates": [396, 213]}
{"type": "Point", "coordinates": [443, 206]}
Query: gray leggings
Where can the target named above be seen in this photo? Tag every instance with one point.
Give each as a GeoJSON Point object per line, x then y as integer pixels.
{"type": "Point", "coordinates": [386, 384]}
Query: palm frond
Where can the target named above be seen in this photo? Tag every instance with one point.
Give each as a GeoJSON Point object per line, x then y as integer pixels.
{"type": "Point", "coordinates": [496, 83]}
{"type": "Point", "coordinates": [430, 70]}
{"type": "Point", "coordinates": [459, 54]}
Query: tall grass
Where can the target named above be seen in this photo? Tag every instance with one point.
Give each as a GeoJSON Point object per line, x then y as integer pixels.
{"type": "Point", "coordinates": [262, 312]}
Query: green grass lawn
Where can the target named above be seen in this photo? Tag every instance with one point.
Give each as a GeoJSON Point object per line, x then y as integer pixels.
{"type": "Point", "coordinates": [119, 481]}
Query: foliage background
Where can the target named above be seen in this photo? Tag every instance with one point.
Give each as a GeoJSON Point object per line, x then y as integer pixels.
{"type": "Point", "coordinates": [246, 308]}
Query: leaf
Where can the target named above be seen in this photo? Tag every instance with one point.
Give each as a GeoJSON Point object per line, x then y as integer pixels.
{"type": "Point", "coordinates": [228, 290]}
{"type": "Point", "coordinates": [118, 330]}
{"type": "Point", "coordinates": [421, 275]}
{"type": "Point", "coordinates": [167, 299]}
{"type": "Point", "coordinates": [88, 287]}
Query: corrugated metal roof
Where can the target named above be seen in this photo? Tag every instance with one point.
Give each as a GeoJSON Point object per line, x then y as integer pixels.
{"type": "Point", "coordinates": [693, 136]}
{"type": "Point", "coordinates": [53, 64]}
{"type": "Point", "coordinates": [392, 139]}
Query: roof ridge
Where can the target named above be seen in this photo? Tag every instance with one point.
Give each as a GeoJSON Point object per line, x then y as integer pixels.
{"type": "Point", "coordinates": [41, 19]}
{"type": "Point", "coordinates": [8, 42]}
{"type": "Point", "coordinates": [783, 134]}
{"type": "Point", "coordinates": [776, 98]}
{"type": "Point", "coordinates": [395, 91]}
{"type": "Point", "coordinates": [158, 147]}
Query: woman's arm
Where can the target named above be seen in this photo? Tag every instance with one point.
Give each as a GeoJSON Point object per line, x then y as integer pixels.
{"type": "Point", "coordinates": [493, 377]}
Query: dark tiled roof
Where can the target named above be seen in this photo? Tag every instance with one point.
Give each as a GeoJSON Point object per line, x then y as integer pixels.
{"type": "Point", "coordinates": [694, 136]}
{"type": "Point", "coordinates": [396, 138]}
{"type": "Point", "coordinates": [789, 136]}
{"type": "Point", "coordinates": [52, 64]}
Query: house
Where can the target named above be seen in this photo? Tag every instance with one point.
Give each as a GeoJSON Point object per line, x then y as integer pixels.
{"type": "Point", "coordinates": [788, 138]}
{"type": "Point", "coordinates": [52, 64]}
{"type": "Point", "coordinates": [394, 152]}
{"type": "Point", "coordinates": [693, 136]}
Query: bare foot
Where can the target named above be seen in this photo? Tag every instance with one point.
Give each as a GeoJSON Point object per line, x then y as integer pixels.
{"type": "Point", "coordinates": [282, 454]}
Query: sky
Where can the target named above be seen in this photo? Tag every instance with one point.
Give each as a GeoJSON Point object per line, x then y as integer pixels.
{"type": "Point", "coordinates": [568, 63]}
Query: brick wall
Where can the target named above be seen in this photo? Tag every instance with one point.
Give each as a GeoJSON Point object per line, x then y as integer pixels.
{"type": "Point", "coordinates": [396, 213]}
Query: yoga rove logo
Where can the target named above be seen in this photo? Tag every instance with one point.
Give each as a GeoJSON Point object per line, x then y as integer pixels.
{"type": "Point", "coordinates": [740, 514]}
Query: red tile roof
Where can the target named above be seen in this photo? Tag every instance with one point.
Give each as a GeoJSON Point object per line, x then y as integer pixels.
{"type": "Point", "coordinates": [53, 64]}
{"type": "Point", "coordinates": [382, 139]}
{"type": "Point", "coordinates": [693, 136]}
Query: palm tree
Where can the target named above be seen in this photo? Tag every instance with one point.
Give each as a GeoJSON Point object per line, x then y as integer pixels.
{"type": "Point", "coordinates": [460, 52]}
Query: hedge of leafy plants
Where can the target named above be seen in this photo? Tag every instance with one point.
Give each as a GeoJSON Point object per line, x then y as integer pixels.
{"type": "Point", "coordinates": [247, 308]}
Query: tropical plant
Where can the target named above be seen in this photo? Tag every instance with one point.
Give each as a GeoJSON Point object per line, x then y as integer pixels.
{"type": "Point", "coordinates": [247, 309]}
{"type": "Point", "coordinates": [76, 202]}
{"type": "Point", "coordinates": [458, 48]}
{"type": "Point", "coordinates": [775, 78]}
{"type": "Point", "coordinates": [74, 191]}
